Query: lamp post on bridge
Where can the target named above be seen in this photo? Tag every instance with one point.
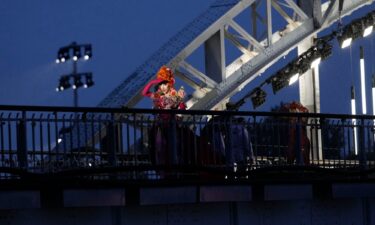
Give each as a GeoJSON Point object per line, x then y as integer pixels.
{"type": "Point", "coordinates": [74, 52]}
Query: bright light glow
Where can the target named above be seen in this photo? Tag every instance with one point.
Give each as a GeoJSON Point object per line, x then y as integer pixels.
{"type": "Point", "coordinates": [316, 62]}
{"type": "Point", "coordinates": [353, 108]}
{"type": "Point", "coordinates": [59, 140]}
{"type": "Point", "coordinates": [62, 59]}
{"type": "Point", "coordinates": [57, 60]}
{"type": "Point", "coordinates": [85, 86]}
{"type": "Point", "coordinates": [75, 58]}
{"type": "Point", "coordinates": [61, 88]}
{"type": "Point", "coordinates": [355, 128]}
{"type": "Point", "coordinates": [363, 86]}
{"type": "Point", "coordinates": [189, 104]}
{"type": "Point", "coordinates": [57, 89]}
{"type": "Point", "coordinates": [87, 57]}
{"type": "Point", "coordinates": [346, 42]}
{"type": "Point", "coordinates": [199, 93]}
{"type": "Point", "coordinates": [293, 79]}
{"type": "Point", "coordinates": [74, 86]}
{"type": "Point", "coordinates": [368, 31]}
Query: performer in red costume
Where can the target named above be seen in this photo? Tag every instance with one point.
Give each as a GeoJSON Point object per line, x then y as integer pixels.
{"type": "Point", "coordinates": [296, 107]}
{"type": "Point", "coordinates": [164, 97]}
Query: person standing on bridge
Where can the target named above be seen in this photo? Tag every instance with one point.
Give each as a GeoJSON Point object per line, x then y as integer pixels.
{"type": "Point", "coordinates": [164, 96]}
{"type": "Point", "coordinates": [297, 128]}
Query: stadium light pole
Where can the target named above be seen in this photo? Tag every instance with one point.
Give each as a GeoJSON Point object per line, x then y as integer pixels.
{"type": "Point", "coordinates": [74, 52]}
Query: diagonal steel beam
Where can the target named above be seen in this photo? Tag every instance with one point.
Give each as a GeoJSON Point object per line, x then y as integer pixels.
{"type": "Point", "coordinates": [297, 9]}
{"type": "Point", "coordinates": [246, 35]}
{"type": "Point", "coordinates": [332, 5]}
{"type": "Point", "coordinates": [198, 74]}
{"type": "Point", "coordinates": [188, 79]}
{"type": "Point", "coordinates": [278, 8]}
{"type": "Point", "coordinates": [238, 44]}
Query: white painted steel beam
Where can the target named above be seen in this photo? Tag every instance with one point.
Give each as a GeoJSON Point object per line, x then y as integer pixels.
{"type": "Point", "coordinates": [187, 79]}
{"type": "Point", "coordinates": [297, 9]}
{"type": "Point", "coordinates": [278, 8]}
{"type": "Point", "coordinates": [269, 22]}
{"type": "Point", "coordinates": [245, 35]}
{"type": "Point", "coordinates": [198, 74]}
{"type": "Point", "coordinates": [328, 12]}
{"type": "Point", "coordinates": [238, 44]}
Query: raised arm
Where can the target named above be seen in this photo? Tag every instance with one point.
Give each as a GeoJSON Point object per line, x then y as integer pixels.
{"type": "Point", "coordinates": [146, 90]}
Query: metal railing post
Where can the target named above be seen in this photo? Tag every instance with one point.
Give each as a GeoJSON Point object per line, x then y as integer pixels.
{"type": "Point", "coordinates": [173, 154]}
{"type": "Point", "coordinates": [228, 142]}
{"type": "Point", "coordinates": [22, 142]}
{"type": "Point", "coordinates": [298, 149]}
{"type": "Point", "coordinates": [362, 149]}
{"type": "Point", "coordinates": [111, 145]}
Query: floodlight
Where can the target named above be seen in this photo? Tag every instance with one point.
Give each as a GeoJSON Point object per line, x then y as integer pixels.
{"type": "Point", "coordinates": [350, 32]}
{"type": "Point", "coordinates": [89, 81]}
{"type": "Point", "coordinates": [76, 53]}
{"type": "Point", "coordinates": [368, 31]}
{"type": "Point", "coordinates": [316, 62]}
{"type": "Point", "coordinates": [368, 24]}
{"type": "Point", "coordinates": [64, 83]}
{"type": "Point", "coordinates": [258, 97]}
{"type": "Point", "coordinates": [293, 78]}
{"type": "Point", "coordinates": [77, 82]}
{"type": "Point", "coordinates": [88, 52]}
{"type": "Point", "coordinates": [346, 42]}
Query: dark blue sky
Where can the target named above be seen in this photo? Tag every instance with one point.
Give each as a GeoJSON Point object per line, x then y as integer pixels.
{"type": "Point", "coordinates": [124, 34]}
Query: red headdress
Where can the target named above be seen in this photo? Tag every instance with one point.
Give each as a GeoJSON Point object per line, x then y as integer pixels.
{"type": "Point", "coordinates": [166, 74]}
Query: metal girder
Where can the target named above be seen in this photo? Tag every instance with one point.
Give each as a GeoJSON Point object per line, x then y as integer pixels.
{"type": "Point", "coordinates": [269, 22]}
{"type": "Point", "coordinates": [188, 79]}
{"type": "Point", "coordinates": [210, 30]}
{"type": "Point", "coordinates": [348, 8]}
{"type": "Point", "coordinates": [238, 44]}
{"type": "Point", "coordinates": [333, 4]}
{"type": "Point", "coordinates": [214, 56]}
{"type": "Point", "coordinates": [251, 69]}
{"type": "Point", "coordinates": [297, 9]}
{"type": "Point", "coordinates": [245, 35]}
{"type": "Point", "coordinates": [283, 13]}
{"type": "Point", "coordinates": [198, 74]}
{"type": "Point", "coordinates": [248, 71]}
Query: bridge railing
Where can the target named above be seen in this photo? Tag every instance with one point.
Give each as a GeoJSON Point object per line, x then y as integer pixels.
{"type": "Point", "coordinates": [152, 144]}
